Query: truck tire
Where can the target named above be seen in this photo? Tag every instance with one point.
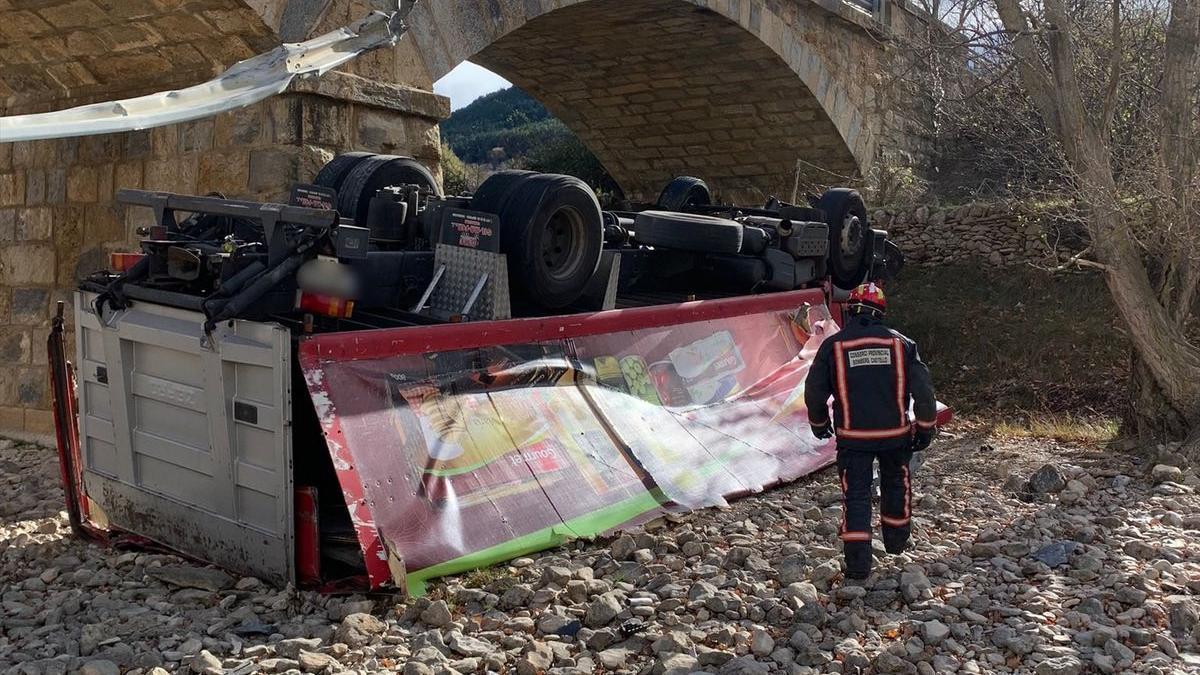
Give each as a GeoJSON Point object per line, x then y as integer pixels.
{"type": "Point", "coordinates": [849, 255]}
{"type": "Point", "coordinates": [682, 192]}
{"type": "Point", "coordinates": [494, 192]}
{"type": "Point", "coordinates": [373, 174]}
{"type": "Point", "coordinates": [688, 232]}
{"type": "Point", "coordinates": [552, 231]}
{"type": "Point", "coordinates": [334, 173]}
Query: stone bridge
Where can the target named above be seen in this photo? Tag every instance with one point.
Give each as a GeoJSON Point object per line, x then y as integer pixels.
{"type": "Point", "coordinates": [738, 91]}
{"type": "Point", "coordinates": [734, 90]}
{"type": "Point", "coordinates": [741, 92]}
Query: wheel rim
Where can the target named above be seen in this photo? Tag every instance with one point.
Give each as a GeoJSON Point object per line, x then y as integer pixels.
{"type": "Point", "coordinates": [851, 239]}
{"type": "Point", "coordinates": [562, 250]}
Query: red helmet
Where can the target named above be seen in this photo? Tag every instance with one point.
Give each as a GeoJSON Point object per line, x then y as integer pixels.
{"type": "Point", "coordinates": [870, 296]}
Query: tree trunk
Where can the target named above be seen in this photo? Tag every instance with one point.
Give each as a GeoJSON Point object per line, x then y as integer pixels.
{"type": "Point", "coordinates": [1151, 417]}
{"type": "Point", "coordinates": [1161, 344]}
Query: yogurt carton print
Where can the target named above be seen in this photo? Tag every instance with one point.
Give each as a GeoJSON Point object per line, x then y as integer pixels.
{"type": "Point", "coordinates": [708, 367]}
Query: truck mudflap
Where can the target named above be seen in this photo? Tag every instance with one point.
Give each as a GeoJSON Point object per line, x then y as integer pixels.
{"type": "Point", "coordinates": [461, 445]}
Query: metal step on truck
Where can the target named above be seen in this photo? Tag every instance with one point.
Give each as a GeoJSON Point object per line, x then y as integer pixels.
{"type": "Point", "coordinates": [376, 384]}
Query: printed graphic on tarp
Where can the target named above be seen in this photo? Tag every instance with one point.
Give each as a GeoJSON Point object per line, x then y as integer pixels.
{"type": "Point", "coordinates": [471, 456]}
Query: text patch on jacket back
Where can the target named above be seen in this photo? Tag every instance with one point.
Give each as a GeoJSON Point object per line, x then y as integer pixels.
{"type": "Point", "coordinates": [869, 357]}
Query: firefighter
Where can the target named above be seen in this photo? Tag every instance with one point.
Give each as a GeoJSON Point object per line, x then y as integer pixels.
{"type": "Point", "coordinates": [872, 372]}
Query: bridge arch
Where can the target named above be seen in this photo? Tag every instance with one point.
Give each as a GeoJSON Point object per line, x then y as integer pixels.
{"type": "Point", "coordinates": [737, 91]}
{"type": "Point", "coordinates": [725, 90]}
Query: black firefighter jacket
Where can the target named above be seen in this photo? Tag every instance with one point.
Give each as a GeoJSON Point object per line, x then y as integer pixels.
{"type": "Point", "coordinates": [872, 372]}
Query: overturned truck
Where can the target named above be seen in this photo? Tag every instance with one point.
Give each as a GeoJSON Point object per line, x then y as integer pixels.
{"type": "Point", "coordinates": [377, 384]}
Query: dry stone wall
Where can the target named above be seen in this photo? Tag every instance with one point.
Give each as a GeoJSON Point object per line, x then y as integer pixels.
{"type": "Point", "coordinates": [996, 235]}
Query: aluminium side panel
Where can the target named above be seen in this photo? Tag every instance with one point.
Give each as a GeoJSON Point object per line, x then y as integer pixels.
{"type": "Point", "coordinates": [186, 440]}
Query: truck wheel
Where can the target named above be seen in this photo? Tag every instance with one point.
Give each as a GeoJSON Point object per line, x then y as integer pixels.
{"type": "Point", "coordinates": [688, 232]}
{"type": "Point", "coordinates": [333, 174]}
{"type": "Point", "coordinates": [552, 231]}
{"type": "Point", "coordinates": [494, 192]}
{"type": "Point", "coordinates": [846, 215]}
{"type": "Point", "coordinates": [373, 174]}
{"type": "Point", "coordinates": [682, 192]}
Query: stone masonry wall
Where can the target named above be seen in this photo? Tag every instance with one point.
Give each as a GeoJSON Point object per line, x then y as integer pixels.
{"type": "Point", "coordinates": [60, 53]}
{"type": "Point", "coordinates": [996, 235]}
{"type": "Point", "coordinates": [59, 219]}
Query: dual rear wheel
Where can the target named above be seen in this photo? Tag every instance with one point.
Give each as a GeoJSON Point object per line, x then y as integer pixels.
{"type": "Point", "coordinates": [552, 228]}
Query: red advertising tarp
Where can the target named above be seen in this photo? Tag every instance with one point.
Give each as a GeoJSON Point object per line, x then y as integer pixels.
{"type": "Point", "coordinates": [462, 445]}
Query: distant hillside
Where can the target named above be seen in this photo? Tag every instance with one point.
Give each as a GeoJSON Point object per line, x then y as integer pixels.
{"type": "Point", "coordinates": [489, 118]}
{"type": "Point", "coordinates": [530, 136]}
{"type": "Point", "coordinates": [509, 119]}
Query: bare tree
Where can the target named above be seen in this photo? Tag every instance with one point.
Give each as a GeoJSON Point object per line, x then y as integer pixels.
{"type": "Point", "coordinates": [1145, 241]}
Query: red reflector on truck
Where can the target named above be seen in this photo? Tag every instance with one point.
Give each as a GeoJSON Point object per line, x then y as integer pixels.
{"type": "Point", "coordinates": [123, 262]}
{"type": "Point", "coordinates": [325, 305]}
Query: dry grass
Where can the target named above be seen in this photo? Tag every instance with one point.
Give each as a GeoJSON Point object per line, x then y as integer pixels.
{"type": "Point", "coordinates": [1064, 429]}
{"type": "Point", "coordinates": [496, 578]}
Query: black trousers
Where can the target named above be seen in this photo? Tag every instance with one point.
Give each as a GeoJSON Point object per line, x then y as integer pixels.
{"type": "Point", "coordinates": [895, 504]}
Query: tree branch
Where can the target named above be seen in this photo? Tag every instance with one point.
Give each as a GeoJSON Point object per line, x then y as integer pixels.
{"type": "Point", "coordinates": [1076, 260]}
{"type": "Point", "coordinates": [1114, 73]}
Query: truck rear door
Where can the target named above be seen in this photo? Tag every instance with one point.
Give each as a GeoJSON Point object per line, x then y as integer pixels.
{"type": "Point", "coordinates": [186, 440]}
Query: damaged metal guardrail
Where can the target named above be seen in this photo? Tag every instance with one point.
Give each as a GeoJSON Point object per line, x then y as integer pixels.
{"type": "Point", "coordinates": [243, 84]}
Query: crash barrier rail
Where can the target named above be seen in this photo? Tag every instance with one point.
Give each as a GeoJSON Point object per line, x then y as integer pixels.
{"type": "Point", "coordinates": [459, 446]}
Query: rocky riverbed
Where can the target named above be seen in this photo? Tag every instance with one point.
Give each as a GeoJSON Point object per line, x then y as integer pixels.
{"type": "Point", "coordinates": [1028, 556]}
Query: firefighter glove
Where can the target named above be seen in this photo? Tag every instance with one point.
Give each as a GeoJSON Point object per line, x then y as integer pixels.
{"type": "Point", "coordinates": [922, 439]}
{"type": "Point", "coordinates": [823, 431]}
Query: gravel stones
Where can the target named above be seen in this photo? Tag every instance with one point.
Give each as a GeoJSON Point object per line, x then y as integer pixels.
{"type": "Point", "coordinates": [292, 647]}
{"type": "Point", "coordinates": [315, 662]}
{"type": "Point", "coordinates": [602, 611]}
{"type": "Point", "coordinates": [1047, 480]}
{"type": "Point", "coordinates": [1060, 665]}
{"type": "Point", "coordinates": [538, 658]}
{"type": "Point", "coordinates": [469, 646]}
{"type": "Point", "coordinates": [761, 642]}
{"type": "Point", "coordinates": [1164, 473]}
{"type": "Point", "coordinates": [205, 663]}
{"type": "Point", "coordinates": [886, 662]}
{"type": "Point", "coordinates": [437, 614]}
{"type": "Point", "coordinates": [792, 569]}
{"type": "Point", "coordinates": [934, 632]}
{"type": "Point", "coordinates": [102, 667]}
{"type": "Point", "coordinates": [1183, 615]}
{"type": "Point", "coordinates": [186, 576]}
{"type": "Point", "coordinates": [623, 547]}
{"type": "Point", "coordinates": [357, 630]}
{"type": "Point", "coordinates": [753, 588]}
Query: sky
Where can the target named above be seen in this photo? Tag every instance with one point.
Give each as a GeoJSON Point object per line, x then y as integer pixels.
{"type": "Point", "coordinates": [468, 82]}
